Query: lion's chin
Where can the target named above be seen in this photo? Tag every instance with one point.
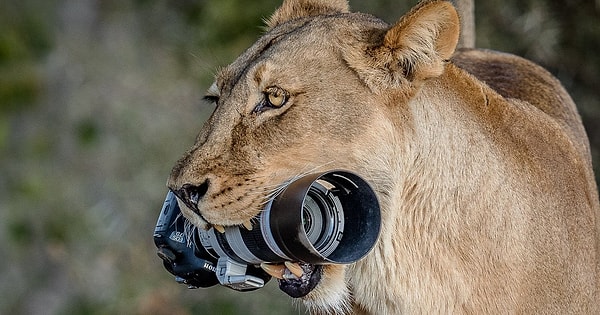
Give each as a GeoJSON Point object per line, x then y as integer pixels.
{"type": "Point", "coordinates": [328, 293]}
{"type": "Point", "coordinates": [300, 287]}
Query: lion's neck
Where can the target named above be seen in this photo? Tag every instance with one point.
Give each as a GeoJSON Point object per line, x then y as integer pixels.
{"type": "Point", "coordinates": [439, 162]}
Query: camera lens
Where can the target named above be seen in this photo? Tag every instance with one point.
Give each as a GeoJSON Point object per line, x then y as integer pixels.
{"type": "Point", "coordinates": [330, 217]}
{"type": "Point", "coordinates": [322, 218]}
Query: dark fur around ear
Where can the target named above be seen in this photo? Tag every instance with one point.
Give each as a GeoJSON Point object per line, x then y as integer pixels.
{"type": "Point", "coordinates": [415, 48]}
{"type": "Point", "coordinates": [294, 9]}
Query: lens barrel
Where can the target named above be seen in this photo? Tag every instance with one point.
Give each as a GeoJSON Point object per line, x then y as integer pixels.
{"type": "Point", "coordinates": [323, 218]}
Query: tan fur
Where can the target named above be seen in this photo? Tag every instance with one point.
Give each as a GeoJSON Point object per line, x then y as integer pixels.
{"type": "Point", "coordinates": [293, 9]}
{"type": "Point", "coordinates": [481, 164]}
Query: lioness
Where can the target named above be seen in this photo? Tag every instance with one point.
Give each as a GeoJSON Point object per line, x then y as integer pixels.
{"type": "Point", "coordinates": [478, 158]}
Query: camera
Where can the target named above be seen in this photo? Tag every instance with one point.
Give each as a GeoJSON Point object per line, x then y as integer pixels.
{"type": "Point", "coordinates": [323, 218]}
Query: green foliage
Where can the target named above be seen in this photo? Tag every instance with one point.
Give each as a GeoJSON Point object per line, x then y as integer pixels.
{"type": "Point", "coordinates": [20, 232]}
{"type": "Point", "coordinates": [87, 132]}
{"type": "Point", "coordinates": [99, 98]}
{"type": "Point", "coordinates": [24, 39]}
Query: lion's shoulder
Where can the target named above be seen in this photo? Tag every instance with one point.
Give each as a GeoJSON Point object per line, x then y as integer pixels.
{"type": "Point", "coordinates": [517, 78]}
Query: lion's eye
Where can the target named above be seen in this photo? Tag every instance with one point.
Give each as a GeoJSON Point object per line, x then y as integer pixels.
{"type": "Point", "coordinates": [275, 97]}
{"type": "Point", "coordinates": [211, 99]}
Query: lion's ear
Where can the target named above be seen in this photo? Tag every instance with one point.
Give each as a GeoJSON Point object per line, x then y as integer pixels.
{"type": "Point", "coordinates": [415, 48]}
{"type": "Point", "coordinates": [293, 9]}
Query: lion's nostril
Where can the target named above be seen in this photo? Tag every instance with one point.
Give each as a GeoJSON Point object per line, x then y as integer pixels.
{"type": "Point", "coordinates": [194, 193]}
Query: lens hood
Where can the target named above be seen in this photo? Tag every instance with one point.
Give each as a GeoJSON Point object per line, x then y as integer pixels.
{"type": "Point", "coordinates": [341, 192]}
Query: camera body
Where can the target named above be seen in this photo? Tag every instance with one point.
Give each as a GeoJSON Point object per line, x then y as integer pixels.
{"type": "Point", "coordinates": [323, 218]}
{"type": "Point", "coordinates": [180, 248]}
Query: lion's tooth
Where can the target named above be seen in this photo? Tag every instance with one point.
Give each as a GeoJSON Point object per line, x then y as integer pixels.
{"type": "Point", "coordinates": [248, 225]}
{"type": "Point", "coordinates": [219, 228]}
{"type": "Point", "coordinates": [294, 268]}
{"type": "Point", "coordinates": [274, 270]}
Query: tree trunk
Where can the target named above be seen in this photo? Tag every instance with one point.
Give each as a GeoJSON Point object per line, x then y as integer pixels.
{"type": "Point", "coordinates": [466, 11]}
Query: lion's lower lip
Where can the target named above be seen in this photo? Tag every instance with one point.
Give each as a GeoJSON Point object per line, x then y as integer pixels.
{"type": "Point", "coordinates": [297, 288]}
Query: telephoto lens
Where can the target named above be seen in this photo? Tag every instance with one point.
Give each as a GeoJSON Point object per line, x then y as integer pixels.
{"type": "Point", "coordinates": [323, 218]}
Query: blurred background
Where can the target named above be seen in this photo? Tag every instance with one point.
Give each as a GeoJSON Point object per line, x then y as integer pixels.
{"type": "Point", "coordinates": [99, 98]}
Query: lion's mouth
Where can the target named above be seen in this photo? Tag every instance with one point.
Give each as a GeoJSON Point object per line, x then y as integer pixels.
{"type": "Point", "coordinates": [295, 279]}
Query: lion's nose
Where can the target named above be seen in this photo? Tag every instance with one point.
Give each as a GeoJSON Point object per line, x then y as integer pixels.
{"type": "Point", "coordinates": [192, 194]}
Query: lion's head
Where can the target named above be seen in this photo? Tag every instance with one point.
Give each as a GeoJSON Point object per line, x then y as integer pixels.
{"type": "Point", "coordinates": [322, 89]}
